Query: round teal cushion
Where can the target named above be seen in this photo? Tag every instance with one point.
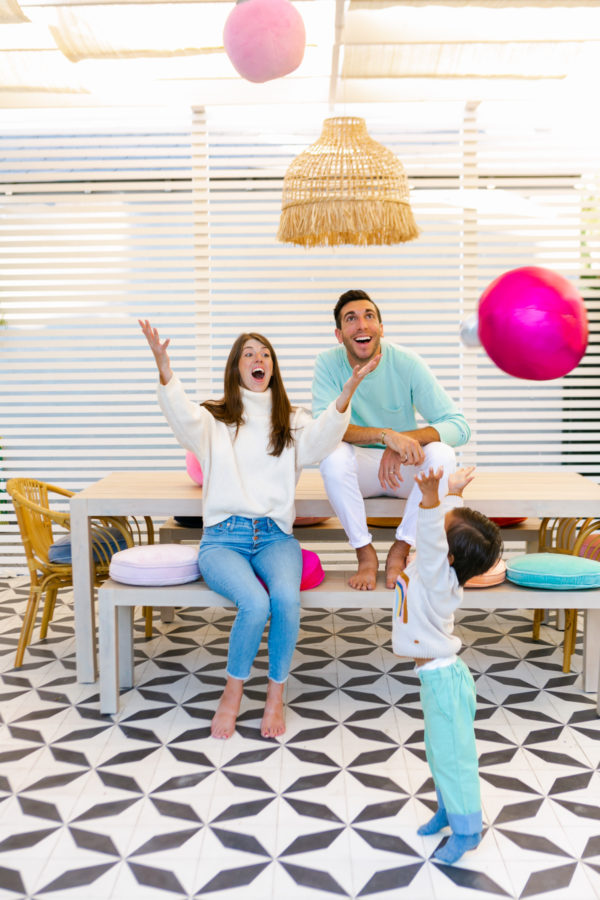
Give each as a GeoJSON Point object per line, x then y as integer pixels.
{"type": "Point", "coordinates": [553, 571]}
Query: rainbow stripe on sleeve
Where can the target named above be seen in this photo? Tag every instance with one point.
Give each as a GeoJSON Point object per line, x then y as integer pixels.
{"type": "Point", "coordinates": [401, 602]}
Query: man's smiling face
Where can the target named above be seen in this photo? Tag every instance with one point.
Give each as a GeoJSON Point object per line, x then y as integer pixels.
{"type": "Point", "coordinates": [360, 331]}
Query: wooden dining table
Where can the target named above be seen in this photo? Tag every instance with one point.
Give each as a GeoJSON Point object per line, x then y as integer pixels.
{"type": "Point", "coordinates": [161, 494]}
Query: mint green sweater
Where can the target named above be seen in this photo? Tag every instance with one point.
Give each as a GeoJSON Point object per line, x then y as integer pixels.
{"type": "Point", "coordinates": [389, 396]}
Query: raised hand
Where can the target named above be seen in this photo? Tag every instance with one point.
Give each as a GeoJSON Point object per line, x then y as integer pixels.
{"type": "Point", "coordinates": [429, 483]}
{"type": "Point", "coordinates": [358, 373]}
{"type": "Point", "coordinates": [458, 480]}
{"type": "Point", "coordinates": [159, 350]}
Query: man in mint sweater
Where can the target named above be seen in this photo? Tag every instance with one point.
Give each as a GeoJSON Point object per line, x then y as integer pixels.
{"type": "Point", "coordinates": [383, 449]}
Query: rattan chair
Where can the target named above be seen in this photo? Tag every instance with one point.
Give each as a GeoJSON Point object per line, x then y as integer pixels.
{"type": "Point", "coordinates": [40, 527]}
{"type": "Point", "coordinates": [566, 536]}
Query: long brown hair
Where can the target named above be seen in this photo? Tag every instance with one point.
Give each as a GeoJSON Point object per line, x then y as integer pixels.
{"type": "Point", "coordinates": [230, 409]}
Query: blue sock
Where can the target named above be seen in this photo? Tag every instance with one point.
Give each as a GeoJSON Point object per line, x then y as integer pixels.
{"type": "Point", "coordinates": [455, 846]}
{"type": "Point", "coordinates": [435, 824]}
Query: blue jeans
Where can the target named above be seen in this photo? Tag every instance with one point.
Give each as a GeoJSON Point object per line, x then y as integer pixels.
{"type": "Point", "coordinates": [230, 557]}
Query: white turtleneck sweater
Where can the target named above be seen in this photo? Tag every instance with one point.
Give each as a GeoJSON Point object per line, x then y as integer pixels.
{"type": "Point", "coordinates": [241, 478]}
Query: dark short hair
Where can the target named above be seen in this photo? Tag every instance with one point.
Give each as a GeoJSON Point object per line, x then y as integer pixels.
{"type": "Point", "coordinates": [474, 541]}
{"type": "Point", "coordinates": [349, 297]}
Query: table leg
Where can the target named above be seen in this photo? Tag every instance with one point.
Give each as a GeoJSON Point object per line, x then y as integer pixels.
{"type": "Point", "coordinates": [83, 593]}
{"type": "Point", "coordinates": [109, 658]}
{"type": "Point", "coordinates": [591, 645]}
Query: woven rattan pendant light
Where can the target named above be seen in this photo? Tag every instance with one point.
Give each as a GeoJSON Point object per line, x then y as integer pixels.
{"type": "Point", "coordinates": [346, 188]}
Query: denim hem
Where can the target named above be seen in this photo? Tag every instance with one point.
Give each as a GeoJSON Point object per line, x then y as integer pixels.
{"type": "Point", "coordinates": [237, 677]}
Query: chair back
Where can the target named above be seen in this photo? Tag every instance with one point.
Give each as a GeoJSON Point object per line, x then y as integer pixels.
{"type": "Point", "coordinates": [567, 535]}
{"type": "Point", "coordinates": [35, 518]}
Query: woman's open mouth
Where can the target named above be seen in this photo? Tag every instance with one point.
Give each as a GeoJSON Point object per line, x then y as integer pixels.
{"type": "Point", "coordinates": [258, 373]}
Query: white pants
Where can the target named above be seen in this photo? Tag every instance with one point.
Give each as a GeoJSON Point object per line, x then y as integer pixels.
{"type": "Point", "coordinates": [350, 473]}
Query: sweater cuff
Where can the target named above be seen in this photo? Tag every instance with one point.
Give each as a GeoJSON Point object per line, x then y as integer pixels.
{"type": "Point", "coordinates": [342, 415]}
{"type": "Point", "coordinates": [172, 384]}
{"type": "Point", "coordinates": [430, 513]}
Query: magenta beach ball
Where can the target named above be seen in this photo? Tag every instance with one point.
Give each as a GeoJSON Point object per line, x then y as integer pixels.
{"type": "Point", "coordinates": [264, 39]}
{"type": "Point", "coordinates": [533, 323]}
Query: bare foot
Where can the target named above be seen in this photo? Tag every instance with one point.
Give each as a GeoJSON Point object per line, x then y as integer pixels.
{"type": "Point", "coordinates": [223, 721]}
{"type": "Point", "coordinates": [273, 720]}
{"type": "Point", "coordinates": [366, 577]}
{"type": "Point", "coordinates": [396, 562]}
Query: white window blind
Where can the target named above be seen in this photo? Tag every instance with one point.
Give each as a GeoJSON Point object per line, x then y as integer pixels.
{"type": "Point", "coordinates": [105, 220]}
{"type": "Point", "coordinates": [491, 192]}
{"type": "Point", "coordinates": [100, 226]}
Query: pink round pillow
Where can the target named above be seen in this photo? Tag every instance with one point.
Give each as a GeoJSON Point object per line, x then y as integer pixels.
{"type": "Point", "coordinates": [506, 521]}
{"type": "Point", "coordinates": [193, 467]}
{"type": "Point", "coordinates": [264, 39]}
{"type": "Point", "coordinates": [495, 575]}
{"type": "Point", "coordinates": [312, 571]}
{"type": "Point", "coordinates": [591, 547]}
{"type": "Point", "coordinates": [156, 564]}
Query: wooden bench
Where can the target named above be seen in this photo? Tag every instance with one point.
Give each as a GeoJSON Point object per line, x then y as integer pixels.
{"type": "Point", "coordinates": [116, 603]}
{"type": "Point", "coordinates": [329, 537]}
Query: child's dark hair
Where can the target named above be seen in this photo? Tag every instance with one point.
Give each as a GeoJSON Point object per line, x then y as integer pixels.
{"type": "Point", "coordinates": [474, 541]}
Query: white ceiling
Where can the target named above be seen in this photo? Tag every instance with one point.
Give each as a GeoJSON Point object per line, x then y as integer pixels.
{"type": "Point", "coordinates": [145, 52]}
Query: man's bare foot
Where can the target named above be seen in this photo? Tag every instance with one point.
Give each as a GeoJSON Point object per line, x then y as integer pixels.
{"type": "Point", "coordinates": [366, 577]}
{"type": "Point", "coordinates": [273, 720]}
{"type": "Point", "coordinates": [396, 562]}
{"type": "Point", "coordinates": [223, 721]}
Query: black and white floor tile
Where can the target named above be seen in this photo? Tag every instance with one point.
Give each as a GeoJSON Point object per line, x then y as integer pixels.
{"type": "Point", "coordinates": [147, 804]}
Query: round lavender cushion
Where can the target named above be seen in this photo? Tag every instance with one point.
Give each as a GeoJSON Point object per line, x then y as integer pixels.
{"type": "Point", "coordinates": [156, 564]}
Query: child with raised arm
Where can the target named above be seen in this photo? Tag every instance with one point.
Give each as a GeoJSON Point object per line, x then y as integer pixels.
{"type": "Point", "coordinates": [454, 543]}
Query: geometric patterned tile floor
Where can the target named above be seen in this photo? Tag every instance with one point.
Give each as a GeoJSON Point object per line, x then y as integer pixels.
{"type": "Point", "coordinates": [146, 804]}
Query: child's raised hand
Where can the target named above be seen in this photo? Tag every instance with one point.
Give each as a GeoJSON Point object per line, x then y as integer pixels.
{"type": "Point", "coordinates": [429, 483]}
{"type": "Point", "coordinates": [458, 480]}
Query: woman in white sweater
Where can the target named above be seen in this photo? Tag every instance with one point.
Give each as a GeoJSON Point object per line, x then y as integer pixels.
{"type": "Point", "coordinates": [252, 445]}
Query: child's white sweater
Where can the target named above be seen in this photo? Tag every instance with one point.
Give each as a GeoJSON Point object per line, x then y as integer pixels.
{"type": "Point", "coordinates": [240, 477]}
{"type": "Point", "coordinates": [427, 592]}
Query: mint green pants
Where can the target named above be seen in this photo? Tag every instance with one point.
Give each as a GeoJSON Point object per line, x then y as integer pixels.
{"type": "Point", "coordinates": [448, 698]}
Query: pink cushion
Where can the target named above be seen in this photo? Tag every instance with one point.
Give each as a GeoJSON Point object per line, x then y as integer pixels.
{"type": "Point", "coordinates": [495, 575]}
{"type": "Point", "coordinates": [591, 547]}
{"type": "Point", "coordinates": [504, 521]}
{"type": "Point", "coordinates": [193, 467]}
{"type": "Point", "coordinates": [156, 564]}
{"type": "Point", "coordinates": [312, 570]}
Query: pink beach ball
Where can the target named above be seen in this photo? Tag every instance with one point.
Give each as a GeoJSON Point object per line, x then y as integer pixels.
{"type": "Point", "coordinates": [533, 324]}
{"type": "Point", "coordinates": [264, 39]}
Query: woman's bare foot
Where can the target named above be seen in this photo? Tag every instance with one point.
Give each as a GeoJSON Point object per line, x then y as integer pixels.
{"type": "Point", "coordinates": [366, 577]}
{"type": "Point", "coordinates": [395, 562]}
{"type": "Point", "coordinates": [223, 721]}
{"type": "Point", "coordinates": [273, 720]}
